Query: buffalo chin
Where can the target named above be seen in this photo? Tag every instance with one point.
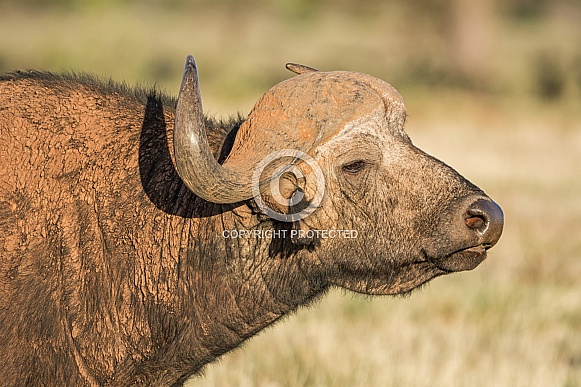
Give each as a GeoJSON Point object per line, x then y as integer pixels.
{"type": "Point", "coordinates": [466, 259]}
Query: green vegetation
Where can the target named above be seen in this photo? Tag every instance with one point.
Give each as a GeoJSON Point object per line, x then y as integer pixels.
{"type": "Point", "coordinates": [493, 88]}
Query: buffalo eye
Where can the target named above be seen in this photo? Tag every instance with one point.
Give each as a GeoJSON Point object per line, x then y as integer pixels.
{"type": "Point", "coordinates": [354, 167]}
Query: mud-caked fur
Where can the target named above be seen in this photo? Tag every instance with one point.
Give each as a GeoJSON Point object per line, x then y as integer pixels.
{"type": "Point", "coordinates": [113, 273]}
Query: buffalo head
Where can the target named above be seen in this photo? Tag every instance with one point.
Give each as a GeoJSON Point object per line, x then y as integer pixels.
{"type": "Point", "coordinates": [354, 168]}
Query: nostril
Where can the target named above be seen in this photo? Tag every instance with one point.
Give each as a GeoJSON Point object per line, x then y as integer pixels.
{"type": "Point", "coordinates": [485, 217]}
{"type": "Point", "coordinates": [476, 222]}
{"type": "Point", "coordinates": [476, 217]}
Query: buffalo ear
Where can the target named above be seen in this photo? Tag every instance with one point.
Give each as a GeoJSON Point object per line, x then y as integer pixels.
{"type": "Point", "coordinates": [289, 199]}
{"type": "Point", "coordinates": [299, 68]}
{"type": "Point", "coordinates": [300, 234]}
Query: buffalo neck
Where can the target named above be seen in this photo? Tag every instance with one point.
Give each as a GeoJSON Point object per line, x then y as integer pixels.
{"type": "Point", "coordinates": [232, 280]}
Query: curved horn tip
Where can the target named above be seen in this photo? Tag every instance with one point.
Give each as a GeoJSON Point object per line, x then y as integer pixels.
{"type": "Point", "coordinates": [299, 68]}
{"type": "Point", "coordinates": [190, 60]}
{"type": "Point", "coordinates": [190, 64]}
{"type": "Point", "coordinates": [190, 78]}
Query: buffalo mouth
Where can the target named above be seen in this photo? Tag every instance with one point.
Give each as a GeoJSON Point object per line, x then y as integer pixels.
{"type": "Point", "coordinates": [461, 260]}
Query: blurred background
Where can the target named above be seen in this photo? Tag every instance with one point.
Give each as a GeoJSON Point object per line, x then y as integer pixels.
{"type": "Point", "coordinates": [492, 87]}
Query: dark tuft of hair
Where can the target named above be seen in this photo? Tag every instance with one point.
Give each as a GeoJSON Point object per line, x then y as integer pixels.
{"type": "Point", "coordinates": [92, 82]}
{"type": "Point", "coordinates": [137, 93]}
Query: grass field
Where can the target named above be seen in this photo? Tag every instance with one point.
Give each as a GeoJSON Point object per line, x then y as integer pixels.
{"type": "Point", "coordinates": [515, 131]}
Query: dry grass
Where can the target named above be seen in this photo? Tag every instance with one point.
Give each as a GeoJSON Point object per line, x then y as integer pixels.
{"type": "Point", "coordinates": [516, 319]}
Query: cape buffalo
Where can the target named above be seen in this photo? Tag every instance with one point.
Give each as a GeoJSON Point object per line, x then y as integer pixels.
{"type": "Point", "coordinates": [138, 242]}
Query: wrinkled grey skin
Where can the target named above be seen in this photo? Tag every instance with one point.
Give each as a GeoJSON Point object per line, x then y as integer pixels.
{"type": "Point", "coordinates": [112, 272]}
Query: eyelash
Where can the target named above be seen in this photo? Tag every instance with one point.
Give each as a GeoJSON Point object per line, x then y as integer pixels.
{"type": "Point", "coordinates": [354, 167]}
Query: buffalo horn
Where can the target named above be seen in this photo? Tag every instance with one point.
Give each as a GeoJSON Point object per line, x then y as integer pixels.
{"type": "Point", "coordinates": [299, 68]}
{"type": "Point", "coordinates": [194, 160]}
